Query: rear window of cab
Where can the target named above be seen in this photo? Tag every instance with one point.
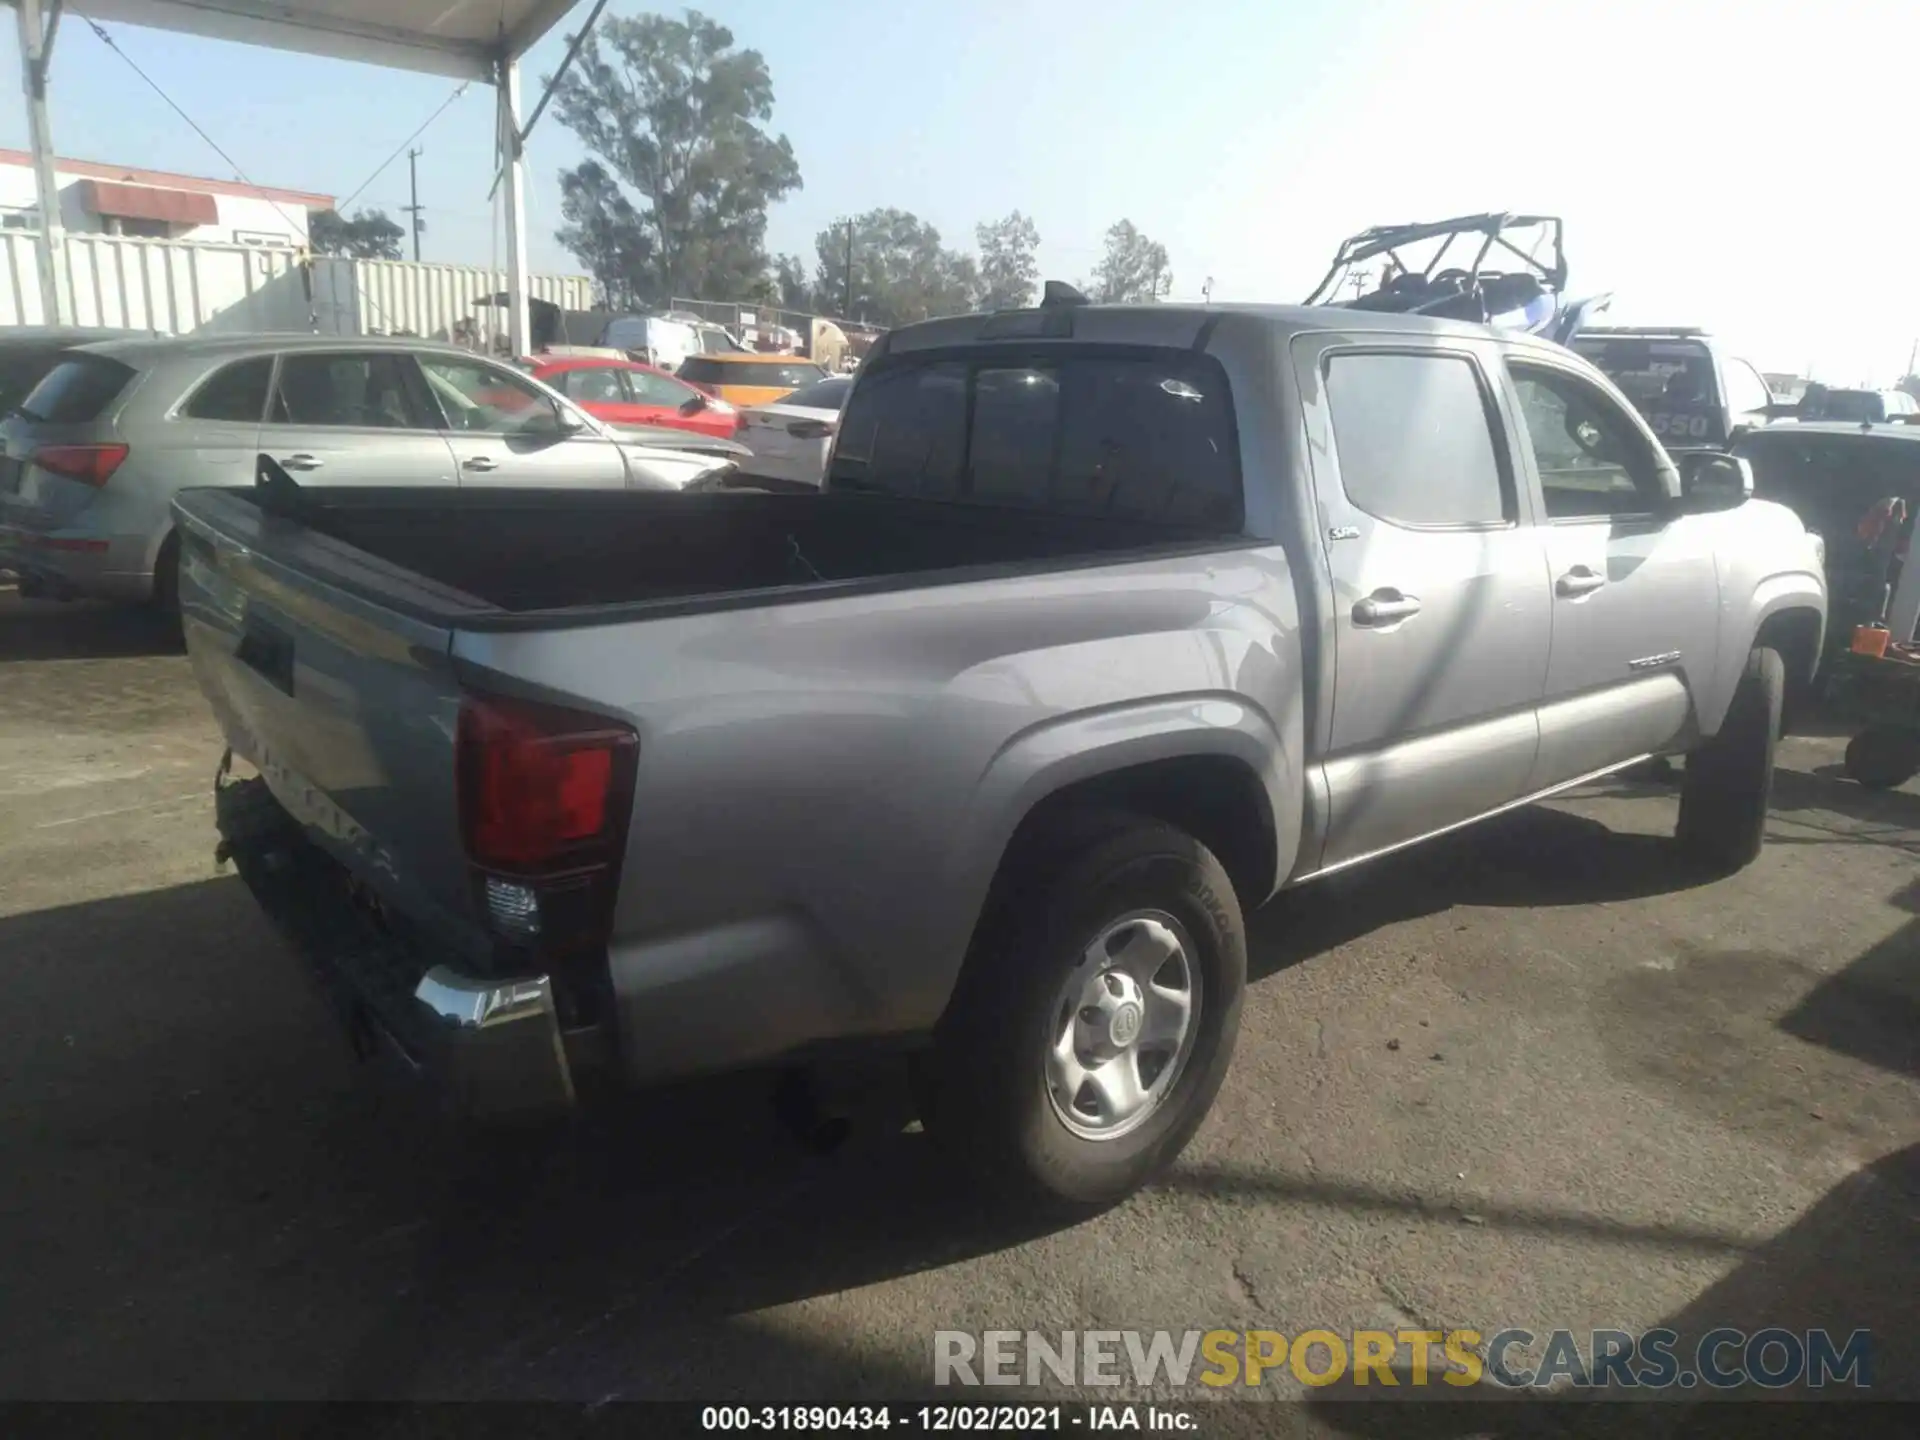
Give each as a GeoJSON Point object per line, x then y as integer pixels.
{"type": "Point", "coordinates": [1139, 436]}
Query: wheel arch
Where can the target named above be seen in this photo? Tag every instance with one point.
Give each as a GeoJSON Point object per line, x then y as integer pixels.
{"type": "Point", "coordinates": [1788, 613]}
{"type": "Point", "coordinates": [1234, 784]}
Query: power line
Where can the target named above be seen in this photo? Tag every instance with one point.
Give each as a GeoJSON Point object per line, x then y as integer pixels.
{"type": "Point", "coordinates": [401, 148]}
{"type": "Point", "coordinates": [154, 86]}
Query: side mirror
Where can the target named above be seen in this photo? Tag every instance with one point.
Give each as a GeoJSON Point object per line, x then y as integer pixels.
{"type": "Point", "coordinates": [693, 404]}
{"type": "Point", "coordinates": [1711, 481]}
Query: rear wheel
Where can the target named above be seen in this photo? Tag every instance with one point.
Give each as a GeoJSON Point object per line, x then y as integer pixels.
{"type": "Point", "coordinates": [166, 576]}
{"type": "Point", "coordinates": [1883, 759]}
{"type": "Point", "coordinates": [1096, 1016]}
{"type": "Point", "coordinates": [1729, 779]}
{"type": "Point", "coordinates": [166, 586]}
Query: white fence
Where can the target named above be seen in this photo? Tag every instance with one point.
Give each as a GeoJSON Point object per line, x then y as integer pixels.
{"type": "Point", "coordinates": [400, 297]}
{"type": "Point", "coordinates": [176, 288]}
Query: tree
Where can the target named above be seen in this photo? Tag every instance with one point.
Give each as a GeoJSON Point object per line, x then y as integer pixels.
{"type": "Point", "coordinates": [369, 235]}
{"type": "Point", "coordinates": [790, 279]}
{"type": "Point", "coordinates": [606, 233]}
{"type": "Point", "coordinates": [672, 112]}
{"type": "Point", "coordinates": [1008, 270]}
{"type": "Point", "coordinates": [900, 272]}
{"type": "Point", "coordinates": [1134, 268]}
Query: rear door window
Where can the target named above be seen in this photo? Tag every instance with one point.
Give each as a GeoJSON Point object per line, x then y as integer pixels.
{"type": "Point", "coordinates": [1415, 440]}
{"type": "Point", "coordinates": [1132, 437]}
{"type": "Point", "coordinates": [365, 392]}
{"type": "Point", "coordinates": [702, 371]}
{"type": "Point", "coordinates": [77, 391]}
{"type": "Point", "coordinates": [235, 392]}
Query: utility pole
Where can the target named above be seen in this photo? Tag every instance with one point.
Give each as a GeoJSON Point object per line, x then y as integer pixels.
{"type": "Point", "coordinates": [1913, 353]}
{"type": "Point", "coordinates": [849, 305]}
{"type": "Point", "coordinates": [39, 23]}
{"type": "Point", "coordinates": [413, 183]}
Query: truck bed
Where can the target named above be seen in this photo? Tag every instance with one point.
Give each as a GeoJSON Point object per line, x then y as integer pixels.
{"type": "Point", "coordinates": [519, 553]}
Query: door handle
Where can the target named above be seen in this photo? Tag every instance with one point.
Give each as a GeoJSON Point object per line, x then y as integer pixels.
{"type": "Point", "coordinates": [1383, 607]}
{"type": "Point", "coordinates": [479, 462]}
{"type": "Point", "coordinates": [303, 462]}
{"type": "Point", "coordinates": [1578, 581]}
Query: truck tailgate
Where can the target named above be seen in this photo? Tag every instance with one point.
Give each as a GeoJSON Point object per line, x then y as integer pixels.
{"type": "Point", "coordinates": [347, 706]}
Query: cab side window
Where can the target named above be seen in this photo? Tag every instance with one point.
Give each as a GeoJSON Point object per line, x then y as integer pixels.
{"type": "Point", "coordinates": [1415, 439]}
{"type": "Point", "coordinates": [1592, 460]}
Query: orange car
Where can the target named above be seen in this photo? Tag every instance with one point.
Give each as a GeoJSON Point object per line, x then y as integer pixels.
{"type": "Point", "coordinates": [748, 379]}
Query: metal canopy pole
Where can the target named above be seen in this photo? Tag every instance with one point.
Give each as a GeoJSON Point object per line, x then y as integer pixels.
{"type": "Point", "coordinates": [37, 31]}
{"type": "Point", "coordinates": [507, 86]}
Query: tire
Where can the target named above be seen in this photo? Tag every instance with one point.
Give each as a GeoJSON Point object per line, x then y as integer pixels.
{"type": "Point", "coordinates": [1729, 779]}
{"type": "Point", "coordinates": [165, 603]}
{"type": "Point", "coordinates": [1882, 759]}
{"type": "Point", "coordinates": [986, 1091]}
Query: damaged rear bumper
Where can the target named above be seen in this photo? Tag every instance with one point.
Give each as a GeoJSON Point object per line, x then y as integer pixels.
{"type": "Point", "coordinates": [492, 1045]}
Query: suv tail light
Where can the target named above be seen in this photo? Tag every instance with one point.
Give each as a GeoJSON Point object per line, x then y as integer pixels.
{"type": "Point", "coordinates": [89, 464]}
{"type": "Point", "coordinates": [544, 794]}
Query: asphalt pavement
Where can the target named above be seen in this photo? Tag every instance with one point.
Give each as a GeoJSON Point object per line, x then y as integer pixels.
{"type": "Point", "coordinates": [1535, 1075]}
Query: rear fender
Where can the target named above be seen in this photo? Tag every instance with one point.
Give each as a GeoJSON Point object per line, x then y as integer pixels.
{"type": "Point", "coordinates": [1044, 761]}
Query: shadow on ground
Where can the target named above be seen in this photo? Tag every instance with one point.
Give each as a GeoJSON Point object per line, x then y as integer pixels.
{"type": "Point", "coordinates": [1532, 857]}
{"type": "Point", "coordinates": [1850, 1263]}
{"type": "Point", "coordinates": [81, 630]}
{"type": "Point", "coordinates": [206, 1199]}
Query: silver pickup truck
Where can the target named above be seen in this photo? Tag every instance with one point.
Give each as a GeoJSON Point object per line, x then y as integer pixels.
{"type": "Point", "coordinates": [1108, 624]}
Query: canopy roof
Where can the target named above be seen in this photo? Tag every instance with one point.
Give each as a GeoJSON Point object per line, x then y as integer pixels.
{"type": "Point", "coordinates": [459, 38]}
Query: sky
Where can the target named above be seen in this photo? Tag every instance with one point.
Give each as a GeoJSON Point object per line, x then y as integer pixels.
{"type": "Point", "coordinates": [1743, 167]}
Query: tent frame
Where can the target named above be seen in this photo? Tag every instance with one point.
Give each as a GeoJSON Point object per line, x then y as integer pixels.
{"type": "Point", "coordinates": [288, 25]}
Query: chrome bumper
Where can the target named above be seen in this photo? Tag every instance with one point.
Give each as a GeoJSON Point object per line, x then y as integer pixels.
{"type": "Point", "coordinates": [495, 1044]}
{"type": "Point", "coordinates": [493, 1047]}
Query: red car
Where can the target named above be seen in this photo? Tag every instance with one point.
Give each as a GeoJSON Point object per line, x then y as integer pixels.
{"type": "Point", "coordinates": [625, 392]}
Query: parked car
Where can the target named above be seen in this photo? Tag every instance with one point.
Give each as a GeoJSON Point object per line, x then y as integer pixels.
{"type": "Point", "coordinates": [1693, 391]}
{"type": "Point", "coordinates": [1858, 407]}
{"type": "Point", "coordinates": [745, 379]}
{"type": "Point", "coordinates": [651, 339]}
{"type": "Point", "coordinates": [1108, 623]}
{"type": "Point", "coordinates": [28, 352]}
{"type": "Point", "coordinates": [1834, 475]}
{"type": "Point", "coordinates": [95, 453]}
{"type": "Point", "coordinates": [625, 392]}
{"type": "Point", "coordinates": [790, 438]}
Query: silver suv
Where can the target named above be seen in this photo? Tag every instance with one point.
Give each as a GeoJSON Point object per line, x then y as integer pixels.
{"type": "Point", "coordinates": [95, 453]}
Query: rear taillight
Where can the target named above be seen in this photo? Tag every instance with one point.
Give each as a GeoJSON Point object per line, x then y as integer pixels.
{"type": "Point", "coordinates": [89, 464]}
{"type": "Point", "coordinates": [544, 794]}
